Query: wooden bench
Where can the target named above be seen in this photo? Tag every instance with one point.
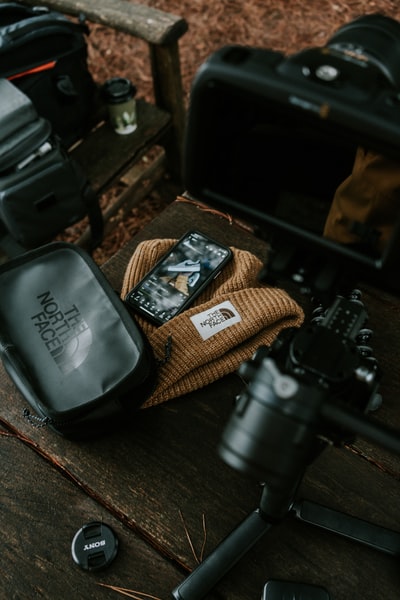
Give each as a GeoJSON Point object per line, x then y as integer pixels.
{"type": "Point", "coordinates": [170, 499]}
{"type": "Point", "coordinates": [106, 156]}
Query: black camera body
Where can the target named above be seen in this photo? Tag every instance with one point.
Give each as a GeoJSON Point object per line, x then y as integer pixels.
{"type": "Point", "coordinates": [270, 138]}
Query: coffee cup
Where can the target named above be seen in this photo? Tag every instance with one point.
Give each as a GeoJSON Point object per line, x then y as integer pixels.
{"type": "Point", "coordinates": [119, 94]}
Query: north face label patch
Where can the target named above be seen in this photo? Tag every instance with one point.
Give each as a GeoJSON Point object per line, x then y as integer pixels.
{"type": "Point", "coordinates": [216, 319]}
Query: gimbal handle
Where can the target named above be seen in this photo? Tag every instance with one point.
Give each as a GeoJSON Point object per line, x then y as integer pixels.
{"type": "Point", "coordinates": [205, 577]}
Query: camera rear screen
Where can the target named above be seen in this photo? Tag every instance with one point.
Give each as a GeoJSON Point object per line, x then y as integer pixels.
{"type": "Point", "coordinates": [277, 163]}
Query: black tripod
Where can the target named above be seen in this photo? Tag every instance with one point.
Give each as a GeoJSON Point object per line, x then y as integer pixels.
{"type": "Point", "coordinates": [315, 384]}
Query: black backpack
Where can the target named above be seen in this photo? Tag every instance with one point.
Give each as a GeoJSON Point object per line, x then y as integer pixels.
{"type": "Point", "coordinates": [45, 55]}
{"type": "Point", "coordinates": [42, 189]}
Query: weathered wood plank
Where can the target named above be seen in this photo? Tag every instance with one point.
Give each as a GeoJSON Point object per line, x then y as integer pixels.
{"type": "Point", "coordinates": [167, 465]}
{"type": "Point", "coordinates": [164, 464]}
{"type": "Point", "coordinates": [105, 156]}
{"type": "Point", "coordinates": [40, 513]}
{"type": "Point", "coordinates": [150, 24]}
{"type": "Point", "coordinates": [168, 92]}
{"type": "Point", "coordinates": [140, 185]}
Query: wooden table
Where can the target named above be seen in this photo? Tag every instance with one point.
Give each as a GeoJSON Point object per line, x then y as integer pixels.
{"type": "Point", "coordinates": [159, 480]}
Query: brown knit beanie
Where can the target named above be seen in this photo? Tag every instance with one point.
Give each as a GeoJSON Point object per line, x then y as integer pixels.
{"type": "Point", "coordinates": [230, 319]}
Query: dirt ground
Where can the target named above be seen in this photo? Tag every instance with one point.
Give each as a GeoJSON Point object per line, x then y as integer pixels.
{"type": "Point", "coordinates": [284, 25]}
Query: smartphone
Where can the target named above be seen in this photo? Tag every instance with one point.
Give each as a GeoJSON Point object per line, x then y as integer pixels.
{"type": "Point", "coordinates": [179, 277]}
{"type": "Point", "coordinates": [282, 590]}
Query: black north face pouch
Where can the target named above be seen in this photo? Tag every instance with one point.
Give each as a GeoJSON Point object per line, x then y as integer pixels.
{"type": "Point", "coordinates": [69, 344]}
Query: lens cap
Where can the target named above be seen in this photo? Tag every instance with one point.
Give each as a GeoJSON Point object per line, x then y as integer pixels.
{"type": "Point", "coordinates": [94, 546]}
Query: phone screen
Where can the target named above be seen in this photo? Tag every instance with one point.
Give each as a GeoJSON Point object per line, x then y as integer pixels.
{"type": "Point", "coordinates": [178, 277]}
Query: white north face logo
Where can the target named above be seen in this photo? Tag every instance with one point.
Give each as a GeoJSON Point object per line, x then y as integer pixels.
{"type": "Point", "coordinates": [216, 319]}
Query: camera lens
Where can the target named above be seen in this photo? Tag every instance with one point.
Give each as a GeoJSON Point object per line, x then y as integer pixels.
{"type": "Point", "coordinates": [375, 38]}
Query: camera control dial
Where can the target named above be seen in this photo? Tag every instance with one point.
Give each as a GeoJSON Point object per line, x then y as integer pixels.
{"type": "Point", "coordinates": [327, 73]}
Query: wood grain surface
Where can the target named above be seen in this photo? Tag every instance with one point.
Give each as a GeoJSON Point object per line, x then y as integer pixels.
{"type": "Point", "coordinates": [156, 481]}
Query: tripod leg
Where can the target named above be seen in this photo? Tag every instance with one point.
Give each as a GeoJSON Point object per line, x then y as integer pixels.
{"type": "Point", "coordinates": [202, 580]}
{"type": "Point", "coordinates": [377, 537]}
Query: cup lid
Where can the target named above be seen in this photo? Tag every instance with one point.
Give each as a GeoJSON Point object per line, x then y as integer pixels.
{"type": "Point", "coordinates": [118, 89]}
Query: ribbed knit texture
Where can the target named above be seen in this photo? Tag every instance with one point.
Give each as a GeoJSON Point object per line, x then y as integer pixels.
{"type": "Point", "coordinates": [195, 362]}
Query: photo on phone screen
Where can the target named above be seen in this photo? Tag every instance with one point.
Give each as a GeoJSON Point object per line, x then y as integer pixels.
{"type": "Point", "coordinates": [193, 262]}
